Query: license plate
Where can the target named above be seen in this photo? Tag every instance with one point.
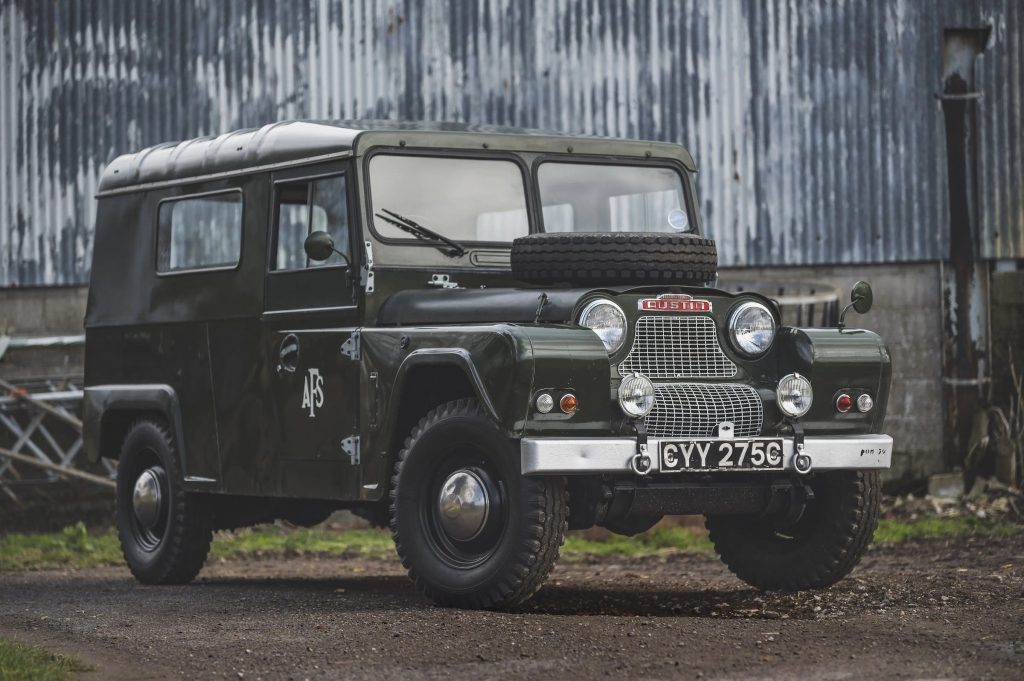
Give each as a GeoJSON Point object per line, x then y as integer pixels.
{"type": "Point", "coordinates": [713, 455]}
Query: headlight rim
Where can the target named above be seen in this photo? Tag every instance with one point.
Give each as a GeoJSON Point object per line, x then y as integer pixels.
{"type": "Point", "coordinates": [590, 306]}
{"type": "Point", "coordinates": [734, 313]}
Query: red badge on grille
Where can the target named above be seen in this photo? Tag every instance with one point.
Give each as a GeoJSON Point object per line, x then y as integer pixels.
{"type": "Point", "coordinates": [675, 302]}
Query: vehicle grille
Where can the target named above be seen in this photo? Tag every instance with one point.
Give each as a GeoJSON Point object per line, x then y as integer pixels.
{"type": "Point", "coordinates": [695, 410]}
{"type": "Point", "coordinates": [677, 347]}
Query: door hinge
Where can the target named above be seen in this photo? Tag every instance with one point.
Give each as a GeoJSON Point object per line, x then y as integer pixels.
{"type": "Point", "coordinates": [351, 347]}
{"type": "Point", "coordinates": [366, 274]}
{"type": "Point", "coordinates": [350, 446]}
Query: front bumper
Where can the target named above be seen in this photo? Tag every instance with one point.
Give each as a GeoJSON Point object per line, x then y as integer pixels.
{"type": "Point", "coordinates": [585, 456]}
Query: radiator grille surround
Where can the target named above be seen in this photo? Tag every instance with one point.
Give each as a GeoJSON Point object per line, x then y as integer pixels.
{"type": "Point", "coordinates": [669, 347]}
{"type": "Point", "coordinates": [690, 410]}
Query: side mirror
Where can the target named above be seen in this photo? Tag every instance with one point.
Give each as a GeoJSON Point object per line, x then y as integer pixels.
{"type": "Point", "coordinates": [861, 299]}
{"type": "Point", "coordinates": [319, 246]}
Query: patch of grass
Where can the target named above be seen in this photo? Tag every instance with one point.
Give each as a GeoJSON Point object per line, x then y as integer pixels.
{"type": "Point", "coordinates": [896, 531]}
{"type": "Point", "coordinates": [20, 662]}
{"type": "Point", "coordinates": [73, 546]}
{"type": "Point", "coordinates": [659, 540]}
{"type": "Point", "coordinates": [270, 540]}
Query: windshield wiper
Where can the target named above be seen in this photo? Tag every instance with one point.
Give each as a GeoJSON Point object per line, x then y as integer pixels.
{"type": "Point", "coordinates": [419, 231]}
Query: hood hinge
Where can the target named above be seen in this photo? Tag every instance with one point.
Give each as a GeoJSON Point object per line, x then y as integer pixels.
{"type": "Point", "coordinates": [442, 281]}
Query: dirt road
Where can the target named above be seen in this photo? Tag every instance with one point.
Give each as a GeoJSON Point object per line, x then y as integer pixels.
{"type": "Point", "coordinates": [923, 610]}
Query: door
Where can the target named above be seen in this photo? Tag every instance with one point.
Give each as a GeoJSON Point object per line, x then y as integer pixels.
{"type": "Point", "coordinates": [310, 324]}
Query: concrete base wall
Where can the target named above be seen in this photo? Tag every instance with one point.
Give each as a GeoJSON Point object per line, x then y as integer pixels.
{"type": "Point", "coordinates": [1007, 326]}
{"type": "Point", "coordinates": [42, 312]}
{"type": "Point", "coordinates": [907, 313]}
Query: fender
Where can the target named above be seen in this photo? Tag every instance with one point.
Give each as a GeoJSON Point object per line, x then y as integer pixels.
{"type": "Point", "coordinates": [833, 359]}
{"type": "Point", "coordinates": [441, 356]}
{"type": "Point", "coordinates": [99, 400]}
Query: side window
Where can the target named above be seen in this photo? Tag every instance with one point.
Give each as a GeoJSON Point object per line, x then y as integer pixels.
{"type": "Point", "coordinates": [199, 232]}
{"type": "Point", "coordinates": [307, 206]}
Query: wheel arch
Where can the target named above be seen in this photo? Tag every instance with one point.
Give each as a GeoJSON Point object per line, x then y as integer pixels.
{"type": "Point", "coordinates": [428, 378]}
{"type": "Point", "coordinates": [108, 412]}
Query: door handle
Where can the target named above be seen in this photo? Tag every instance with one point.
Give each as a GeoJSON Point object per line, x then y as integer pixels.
{"type": "Point", "coordinates": [288, 354]}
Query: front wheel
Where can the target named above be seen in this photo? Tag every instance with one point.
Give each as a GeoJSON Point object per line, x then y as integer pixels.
{"type": "Point", "coordinates": [469, 528]}
{"type": "Point", "coordinates": [815, 551]}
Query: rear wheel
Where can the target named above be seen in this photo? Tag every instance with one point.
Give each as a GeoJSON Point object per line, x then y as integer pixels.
{"type": "Point", "coordinates": [631, 525]}
{"type": "Point", "coordinates": [165, 533]}
{"type": "Point", "coordinates": [470, 529]}
{"type": "Point", "coordinates": [814, 551]}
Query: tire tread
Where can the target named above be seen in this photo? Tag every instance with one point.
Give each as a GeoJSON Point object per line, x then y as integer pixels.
{"type": "Point", "coordinates": [190, 534]}
{"type": "Point", "coordinates": [835, 551]}
{"type": "Point", "coordinates": [547, 514]}
{"type": "Point", "coordinates": [614, 258]}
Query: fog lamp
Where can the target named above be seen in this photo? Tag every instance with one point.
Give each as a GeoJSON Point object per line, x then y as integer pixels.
{"type": "Point", "coordinates": [794, 395]}
{"type": "Point", "coordinates": [636, 395]}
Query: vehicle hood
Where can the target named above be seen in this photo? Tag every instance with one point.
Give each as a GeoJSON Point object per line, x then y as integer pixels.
{"type": "Point", "coordinates": [480, 306]}
{"type": "Point", "coordinates": [495, 305]}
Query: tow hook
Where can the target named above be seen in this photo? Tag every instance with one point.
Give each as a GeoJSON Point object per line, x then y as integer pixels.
{"type": "Point", "coordinates": [801, 459]}
{"type": "Point", "coordinates": [641, 461]}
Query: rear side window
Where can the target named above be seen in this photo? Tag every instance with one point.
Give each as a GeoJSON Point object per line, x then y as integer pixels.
{"type": "Point", "coordinates": [199, 232]}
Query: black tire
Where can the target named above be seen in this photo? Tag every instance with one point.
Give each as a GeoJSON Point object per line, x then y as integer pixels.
{"type": "Point", "coordinates": [632, 525]}
{"type": "Point", "coordinates": [518, 541]}
{"type": "Point", "coordinates": [308, 514]}
{"type": "Point", "coordinates": [377, 514]}
{"type": "Point", "coordinates": [614, 258]}
{"type": "Point", "coordinates": [816, 551]}
{"type": "Point", "coordinates": [173, 548]}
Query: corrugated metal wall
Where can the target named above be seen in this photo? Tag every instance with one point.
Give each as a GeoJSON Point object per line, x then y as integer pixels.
{"type": "Point", "coordinates": [814, 123]}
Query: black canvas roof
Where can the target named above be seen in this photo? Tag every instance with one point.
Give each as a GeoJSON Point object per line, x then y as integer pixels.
{"type": "Point", "coordinates": [292, 141]}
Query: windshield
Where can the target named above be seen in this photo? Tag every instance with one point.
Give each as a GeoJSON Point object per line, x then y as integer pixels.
{"type": "Point", "coordinates": [580, 197]}
{"type": "Point", "coordinates": [465, 200]}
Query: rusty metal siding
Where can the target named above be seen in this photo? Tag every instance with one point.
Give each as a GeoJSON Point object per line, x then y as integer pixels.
{"type": "Point", "coordinates": [814, 123]}
{"type": "Point", "coordinates": [1000, 79]}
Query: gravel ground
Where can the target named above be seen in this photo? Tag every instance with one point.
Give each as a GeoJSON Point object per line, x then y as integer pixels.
{"type": "Point", "coordinates": [950, 609]}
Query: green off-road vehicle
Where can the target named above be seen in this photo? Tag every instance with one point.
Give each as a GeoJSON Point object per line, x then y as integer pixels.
{"type": "Point", "coordinates": [480, 338]}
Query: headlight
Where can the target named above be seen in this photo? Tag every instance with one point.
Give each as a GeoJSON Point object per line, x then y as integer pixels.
{"type": "Point", "coordinates": [751, 329]}
{"type": "Point", "coordinates": [636, 395]}
{"type": "Point", "coordinates": [607, 320]}
{"type": "Point", "coordinates": [795, 395]}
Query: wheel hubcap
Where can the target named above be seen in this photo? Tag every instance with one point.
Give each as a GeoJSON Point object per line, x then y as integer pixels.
{"type": "Point", "coordinates": [464, 505]}
{"type": "Point", "coordinates": [147, 498]}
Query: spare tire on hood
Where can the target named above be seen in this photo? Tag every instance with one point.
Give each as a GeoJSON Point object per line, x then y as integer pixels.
{"type": "Point", "coordinates": [603, 258]}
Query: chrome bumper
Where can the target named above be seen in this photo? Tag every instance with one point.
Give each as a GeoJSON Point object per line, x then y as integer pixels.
{"type": "Point", "coordinates": [583, 456]}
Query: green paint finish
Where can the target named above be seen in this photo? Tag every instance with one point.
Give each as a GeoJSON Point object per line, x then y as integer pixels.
{"type": "Point", "coordinates": [305, 383]}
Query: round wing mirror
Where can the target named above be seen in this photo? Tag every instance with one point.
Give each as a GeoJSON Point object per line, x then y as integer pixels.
{"type": "Point", "coordinates": [319, 246]}
{"type": "Point", "coordinates": [861, 297]}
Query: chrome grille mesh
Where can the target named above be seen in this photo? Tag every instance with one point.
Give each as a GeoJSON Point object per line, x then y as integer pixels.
{"type": "Point", "coordinates": [677, 347]}
{"type": "Point", "coordinates": [695, 409]}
